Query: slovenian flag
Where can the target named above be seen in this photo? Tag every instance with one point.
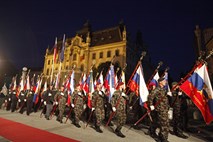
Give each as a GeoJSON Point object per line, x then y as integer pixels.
{"type": "Point", "coordinates": [198, 88]}
{"type": "Point", "coordinates": [138, 85]}
{"type": "Point", "coordinates": [154, 81]}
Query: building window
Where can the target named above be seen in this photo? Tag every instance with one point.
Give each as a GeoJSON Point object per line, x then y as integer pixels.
{"type": "Point", "coordinates": [93, 56]}
{"type": "Point", "coordinates": [47, 71]}
{"type": "Point", "coordinates": [108, 54]}
{"type": "Point", "coordinates": [48, 62]}
{"type": "Point", "coordinates": [74, 57]}
{"type": "Point", "coordinates": [117, 52]}
{"type": "Point", "coordinates": [101, 55]}
{"type": "Point", "coordinates": [66, 67]}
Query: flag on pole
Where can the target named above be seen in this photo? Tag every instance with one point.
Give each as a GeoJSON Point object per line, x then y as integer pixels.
{"type": "Point", "coordinates": [90, 90]}
{"type": "Point", "coordinates": [154, 81]}
{"type": "Point", "coordinates": [55, 51]}
{"type": "Point", "coordinates": [138, 85]}
{"type": "Point", "coordinates": [198, 87]}
{"type": "Point", "coordinates": [28, 83]}
{"type": "Point", "coordinates": [166, 77]}
{"type": "Point", "coordinates": [72, 82]}
{"type": "Point", "coordinates": [109, 82]}
{"type": "Point", "coordinates": [62, 50]}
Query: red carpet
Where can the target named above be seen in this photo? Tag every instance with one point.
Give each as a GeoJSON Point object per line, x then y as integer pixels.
{"type": "Point", "coordinates": [18, 132]}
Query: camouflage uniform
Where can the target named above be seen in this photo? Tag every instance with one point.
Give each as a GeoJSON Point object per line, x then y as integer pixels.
{"type": "Point", "coordinates": [98, 102]}
{"type": "Point", "coordinates": [160, 96]}
{"type": "Point", "coordinates": [119, 102]}
{"type": "Point", "coordinates": [78, 99]}
{"type": "Point", "coordinates": [30, 95]}
{"type": "Point", "coordinates": [61, 104]}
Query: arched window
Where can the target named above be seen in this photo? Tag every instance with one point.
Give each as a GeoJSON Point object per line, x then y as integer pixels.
{"type": "Point", "coordinates": [117, 52]}
{"type": "Point", "coordinates": [75, 57]}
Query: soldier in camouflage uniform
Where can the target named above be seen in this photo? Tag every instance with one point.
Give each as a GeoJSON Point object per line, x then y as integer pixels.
{"type": "Point", "coordinates": [98, 102]}
{"type": "Point", "coordinates": [176, 104]}
{"type": "Point", "coordinates": [159, 94]}
{"type": "Point", "coordinates": [62, 98]}
{"type": "Point", "coordinates": [78, 104]}
{"type": "Point", "coordinates": [119, 108]}
{"type": "Point", "coordinates": [30, 94]}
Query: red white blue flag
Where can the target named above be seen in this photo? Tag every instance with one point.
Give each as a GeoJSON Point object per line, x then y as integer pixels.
{"type": "Point", "coordinates": [198, 87]}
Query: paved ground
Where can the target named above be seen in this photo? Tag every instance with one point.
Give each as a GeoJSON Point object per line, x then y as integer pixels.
{"type": "Point", "coordinates": [90, 135]}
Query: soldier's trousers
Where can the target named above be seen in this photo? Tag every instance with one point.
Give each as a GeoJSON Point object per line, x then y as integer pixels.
{"type": "Point", "coordinates": [61, 114]}
{"type": "Point", "coordinates": [99, 115]}
{"type": "Point", "coordinates": [163, 124]}
{"type": "Point", "coordinates": [49, 108]}
{"type": "Point", "coordinates": [121, 119]}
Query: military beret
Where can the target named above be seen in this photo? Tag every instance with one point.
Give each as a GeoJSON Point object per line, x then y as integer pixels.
{"type": "Point", "coordinates": [174, 83]}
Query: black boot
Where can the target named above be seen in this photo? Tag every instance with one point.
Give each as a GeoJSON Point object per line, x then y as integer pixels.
{"type": "Point", "coordinates": [118, 133]}
{"type": "Point", "coordinates": [98, 129]}
{"type": "Point", "coordinates": [77, 125]}
{"type": "Point", "coordinates": [181, 135]}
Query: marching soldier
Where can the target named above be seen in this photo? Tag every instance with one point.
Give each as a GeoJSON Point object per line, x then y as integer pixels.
{"type": "Point", "coordinates": [8, 100]}
{"type": "Point", "coordinates": [30, 94]}
{"type": "Point", "coordinates": [78, 104]}
{"type": "Point", "coordinates": [176, 102]}
{"type": "Point", "coordinates": [22, 101]}
{"type": "Point", "coordinates": [119, 108]}
{"type": "Point", "coordinates": [98, 102]}
{"type": "Point", "coordinates": [14, 101]}
{"type": "Point", "coordinates": [48, 97]}
{"type": "Point", "coordinates": [159, 94]}
{"type": "Point", "coordinates": [61, 95]}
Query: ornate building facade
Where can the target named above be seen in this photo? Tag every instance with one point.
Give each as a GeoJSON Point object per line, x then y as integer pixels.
{"type": "Point", "coordinates": [89, 47]}
{"type": "Point", "coordinates": [204, 42]}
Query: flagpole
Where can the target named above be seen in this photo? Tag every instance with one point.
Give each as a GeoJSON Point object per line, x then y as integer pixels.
{"type": "Point", "coordinates": [141, 58]}
{"type": "Point", "coordinates": [139, 62]}
{"type": "Point", "coordinates": [157, 103]}
{"type": "Point", "coordinates": [156, 70]}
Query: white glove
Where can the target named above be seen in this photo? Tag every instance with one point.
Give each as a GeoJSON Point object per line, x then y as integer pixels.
{"type": "Point", "coordinates": [130, 108]}
{"type": "Point", "coordinates": [169, 93]}
{"type": "Point", "coordinates": [22, 94]}
{"type": "Point", "coordinates": [49, 94]}
{"type": "Point", "coordinates": [19, 100]}
{"type": "Point", "coordinates": [14, 92]}
{"type": "Point", "coordinates": [123, 94]}
{"type": "Point", "coordinates": [42, 100]}
{"type": "Point", "coordinates": [62, 94]}
{"type": "Point", "coordinates": [56, 103]}
{"type": "Point", "coordinates": [84, 106]}
{"type": "Point", "coordinates": [180, 93]}
{"type": "Point", "coordinates": [25, 100]}
{"type": "Point", "coordinates": [93, 108]}
{"type": "Point", "coordinates": [45, 103]}
{"type": "Point", "coordinates": [72, 105]}
{"type": "Point", "coordinates": [113, 109]}
{"type": "Point", "coordinates": [152, 107]}
{"type": "Point", "coordinates": [9, 99]}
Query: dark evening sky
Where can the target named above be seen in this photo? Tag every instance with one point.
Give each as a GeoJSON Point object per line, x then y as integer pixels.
{"type": "Point", "coordinates": [27, 27]}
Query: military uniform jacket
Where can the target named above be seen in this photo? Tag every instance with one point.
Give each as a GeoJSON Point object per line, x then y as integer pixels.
{"type": "Point", "coordinates": [159, 95]}
{"type": "Point", "coordinates": [98, 99]}
{"type": "Point", "coordinates": [30, 94]}
{"type": "Point", "coordinates": [22, 95]}
{"type": "Point", "coordinates": [119, 101]}
{"type": "Point", "coordinates": [176, 101]}
{"type": "Point", "coordinates": [48, 97]}
{"type": "Point", "coordinates": [78, 99]}
{"type": "Point", "coordinates": [61, 99]}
